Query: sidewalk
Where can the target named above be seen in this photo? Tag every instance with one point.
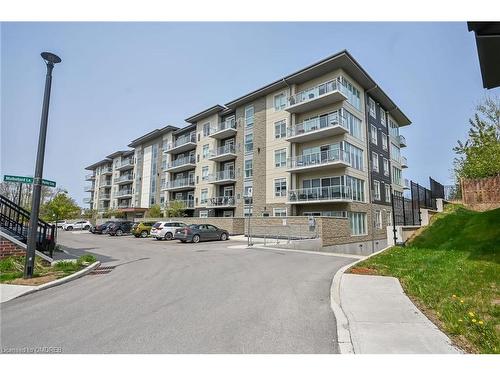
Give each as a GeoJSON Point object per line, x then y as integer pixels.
{"type": "Point", "coordinates": [382, 319]}
{"type": "Point", "coordinates": [9, 291]}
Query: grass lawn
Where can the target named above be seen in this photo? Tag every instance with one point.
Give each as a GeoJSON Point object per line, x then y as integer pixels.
{"type": "Point", "coordinates": [451, 270]}
{"type": "Point", "coordinates": [11, 270]}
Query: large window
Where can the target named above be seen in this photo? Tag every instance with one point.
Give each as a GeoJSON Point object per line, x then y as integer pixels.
{"type": "Point", "coordinates": [386, 167]}
{"type": "Point", "coordinates": [373, 134]}
{"type": "Point", "coordinates": [395, 153]}
{"type": "Point", "coordinates": [248, 168]}
{"type": "Point", "coordinates": [280, 158]}
{"type": "Point", "coordinates": [383, 136]}
{"type": "Point", "coordinates": [372, 108]}
{"type": "Point", "coordinates": [357, 223]}
{"type": "Point", "coordinates": [204, 196]}
{"type": "Point", "coordinates": [376, 190]}
{"type": "Point", "coordinates": [387, 193]}
{"type": "Point", "coordinates": [280, 187]}
{"type": "Point", "coordinates": [206, 129]}
{"type": "Point", "coordinates": [375, 166]}
{"type": "Point", "coordinates": [354, 155]}
{"type": "Point", "coordinates": [204, 173]}
{"type": "Point", "coordinates": [279, 211]}
{"type": "Point", "coordinates": [353, 124]}
{"type": "Point", "coordinates": [249, 142]}
{"type": "Point", "coordinates": [353, 96]}
{"type": "Point", "coordinates": [377, 219]}
{"type": "Point", "coordinates": [393, 128]}
{"type": "Point", "coordinates": [280, 129]}
{"type": "Point", "coordinates": [205, 151]}
{"type": "Point", "coordinates": [382, 117]}
{"type": "Point", "coordinates": [279, 102]}
{"type": "Point", "coordinates": [396, 176]}
{"type": "Point", "coordinates": [357, 188]}
{"type": "Point", "coordinates": [249, 113]}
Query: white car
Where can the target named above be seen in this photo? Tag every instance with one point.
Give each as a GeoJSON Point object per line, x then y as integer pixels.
{"type": "Point", "coordinates": [80, 224]}
{"type": "Point", "coordinates": [165, 230]}
{"type": "Point", "coordinates": [60, 223]}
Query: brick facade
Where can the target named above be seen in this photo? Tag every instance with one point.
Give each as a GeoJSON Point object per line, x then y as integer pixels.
{"type": "Point", "coordinates": [8, 248]}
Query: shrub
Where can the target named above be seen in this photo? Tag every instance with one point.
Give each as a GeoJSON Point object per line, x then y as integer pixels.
{"type": "Point", "coordinates": [86, 259]}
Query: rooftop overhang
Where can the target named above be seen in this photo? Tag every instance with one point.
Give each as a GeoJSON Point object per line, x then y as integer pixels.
{"type": "Point", "coordinates": [342, 60]}
{"type": "Point", "coordinates": [185, 129]}
{"type": "Point", "coordinates": [207, 112]}
{"type": "Point", "coordinates": [152, 135]}
{"type": "Point", "coordinates": [119, 153]}
{"type": "Point", "coordinates": [488, 50]}
{"type": "Point", "coordinates": [95, 165]}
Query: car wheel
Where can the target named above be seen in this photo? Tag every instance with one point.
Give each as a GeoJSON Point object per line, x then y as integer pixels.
{"type": "Point", "coordinates": [144, 233]}
{"type": "Point", "coordinates": [158, 238]}
{"type": "Point", "coordinates": [119, 232]}
{"type": "Point", "coordinates": [69, 228]}
{"type": "Point", "coordinates": [223, 237]}
{"type": "Point", "coordinates": [183, 241]}
{"type": "Point", "coordinates": [196, 238]}
{"type": "Point", "coordinates": [168, 236]}
{"type": "Point", "coordinates": [86, 227]}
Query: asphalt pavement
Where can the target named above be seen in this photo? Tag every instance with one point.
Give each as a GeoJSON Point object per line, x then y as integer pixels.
{"type": "Point", "coordinates": [169, 297]}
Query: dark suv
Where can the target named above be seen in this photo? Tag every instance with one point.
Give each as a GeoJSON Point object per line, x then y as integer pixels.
{"type": "Point", "coordinates": [120, 228]}
{"type": "Point", "coordinates": [102, 228]}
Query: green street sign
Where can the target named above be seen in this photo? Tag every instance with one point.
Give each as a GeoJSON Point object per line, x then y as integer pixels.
{"type": "Point", "coordinates": [27, 180]}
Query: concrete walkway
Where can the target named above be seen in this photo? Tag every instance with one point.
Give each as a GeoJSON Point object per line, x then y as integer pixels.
{"type": "Point", "coordinates": [8, 291]}
{"type": "Point", "coordinates": [382, 319]}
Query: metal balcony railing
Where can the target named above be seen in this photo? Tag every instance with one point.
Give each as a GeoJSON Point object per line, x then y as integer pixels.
{"type": "Point", "coordinates": [122, 193]}
{"type": "Point", "coordinates": [181, 161]}
{"type": "Point", "coordinates": [225, 125]}
{"type": "Point", "coordinates": [125, 163]}
{"type": "Point", "coordinates": [226, 149]}
{"type": "Point", "coordinates": [127, 204]}
{"type": "Point", "coordinates": [329, 193]}
{"type": "Point", "coordinates": [317, 91]}
{"type": "Point", "coordinates": [182, 140]}
{"type": "Point", "coordinates": [104, 196]}
{"type": "Point", "coordinates": [221, 201]}
{"type": "Point", "coordinates": [317, 159]}
{"type": "Point", "coordinates": [222, 175]}
{"type": "Point", "coordinates": [402, 141]}
{"type": "Point", "coordinates": [90, 176]}
{"type": "Point", "coordinates": [125, 177]}
{"type": "Point", "coordinates": [317, 123]}
{"type": "Point", "coordinates": [107, 170]}
{"type": "Point", "coordinates": [178, 183]}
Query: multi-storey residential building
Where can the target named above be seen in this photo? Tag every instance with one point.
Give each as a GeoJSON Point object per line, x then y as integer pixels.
{"type": "Point", "coordinates": [321, 141]}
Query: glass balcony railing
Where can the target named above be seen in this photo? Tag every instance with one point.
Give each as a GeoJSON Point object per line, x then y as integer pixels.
{"type": "Point", "coordinates": [181, 161]}
{"type": "Point", "coordinates": [89, 188]}
{"type": "Point", "coordinates": [402, 141]}
{"type": "Point", "coordinates": [90, 176]}
{"type": "Point", "coordinates": [106, 170]}
{"type": "Point", "coordinates": [317, 91]}
{"type": "Point", "coordinates": [126, 204]}
{"type": "Point", "coordinates": [125, 178]}
{"type": "Point", "coordinates": [328, 193]}
{"type": "Point", "coordinates": [178, 183]}
{"type": "Point", "coordinates": [317, 159]}
{"type": "Point", "coordinates": [125, 163]}
{"type": "Point", "coordinates": [182, 140]}
{"type": "Point", "coordinates": [225, 125]}
{"type": "Point", "coordinates": [105, 182]}
{"type": "Point", "coordinates": [122, 193]}
{"type": "Point", "coordinates": [104, 196]}
{"type": "Point", "coordinates": [317, 123]}
{"type": "Point", "coordinates": [227, 149]}
{"type": "Point", "coordinates": [222, 175]}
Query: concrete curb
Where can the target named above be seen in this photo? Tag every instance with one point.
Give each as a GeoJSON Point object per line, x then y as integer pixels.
{"type": "Point", "coordinates": [343, 332]}
{"type": "Point", "coordinates": [62, 280]}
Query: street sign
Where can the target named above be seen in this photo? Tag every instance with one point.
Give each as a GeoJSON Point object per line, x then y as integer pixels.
{"type": "Point", "coordinates": [27, 180]}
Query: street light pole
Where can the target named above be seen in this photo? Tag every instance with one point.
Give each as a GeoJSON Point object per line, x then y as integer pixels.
{"type": "Point", "coordinates": [29, 265]}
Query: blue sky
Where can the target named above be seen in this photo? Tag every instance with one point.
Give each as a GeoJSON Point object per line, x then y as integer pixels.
{"type": "Point", "coordinates": [119, 81]}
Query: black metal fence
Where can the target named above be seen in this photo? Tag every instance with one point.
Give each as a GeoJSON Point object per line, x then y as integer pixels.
{"type": "Point", "coordinates": [406, 210]}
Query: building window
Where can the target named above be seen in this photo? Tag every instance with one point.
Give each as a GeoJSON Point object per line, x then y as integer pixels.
{"type": "Point", "coordinates": [357, 223]}
{"type": "Point", "coordinates": [387, 193]}
{"type": "Point", "coordinates": [377, 219]}
{"type": "Point", "coordinates": [396, 176]}
{"type": "Point", "coordinates": [393, 128]}
{"type": "Point", "coordinates": [375, 162]}
{"type": "Point", "coordinates": [280, 129]}
{"type": "Point", "coordinates": [205, 151]}
{"type": "Point", "coordinates": [373, 134]}
{"type": "Point", "coordinates": [386, 167]}
{"type": "Point", "coordinates": [248, 168]}
{"type": "Point", "coordinates": [354, 155]}
{"type": "Point", "coordinates": [280, 187]}
{"type": "Point", "coordinates": [249, 142]}
{"type": "Point", "coordinates": [279, 102]}
{"type": "Point", "coordinates": [204, 173]}
{"type": "Point", "coordinates": [279, 211]}
{"type": "Point", "coordinates": [389, 218]}
{"type": "Point", "coordinates": [206, 129]}
{"type": "Point", "coordinates": [204, 196]}
{"type": "Point", "coordinates": [353, 124]}
{"type": "Point", "coordinates": [204, 214]}
{"type": "Point", "coordinates": [249, 114]}
{"type": "Point", "coordinates": [376, 190]}
{"type": "Point", "coordinates": [372, 108]}
{"type": "Point", "coordinates": [384, 140]}
{"type": "Point", "coordinates": [382, 117]}
{"type": "Point", "coordinates": [280, 158]}
{"type": "Point", "coordinates": [395, 153]}
{"type": "Point", "coordinates": [353, 96]}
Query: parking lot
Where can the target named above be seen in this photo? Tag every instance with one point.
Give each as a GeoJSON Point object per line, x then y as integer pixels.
{"type": "Point", "coordinates": [171, 297]}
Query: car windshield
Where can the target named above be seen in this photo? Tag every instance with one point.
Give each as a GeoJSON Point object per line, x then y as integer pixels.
{"type": "Point", "coordinates": [193, 226]}
{"type": "Point", "coordinates": [157, 225]}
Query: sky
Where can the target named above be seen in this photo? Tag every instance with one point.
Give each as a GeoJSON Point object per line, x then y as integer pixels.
{"type": "Point", "coordinates": [118, 81]}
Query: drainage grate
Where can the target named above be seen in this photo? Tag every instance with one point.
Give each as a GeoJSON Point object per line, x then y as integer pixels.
{"type": "Point", "coordinates": [102, 270]}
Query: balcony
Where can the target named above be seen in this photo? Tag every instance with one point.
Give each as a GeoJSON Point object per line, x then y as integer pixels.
{"type": "Point", "coordinates": [104, 197]}
{"type": "Point", "coordinates": [316, 97]}
{"type": "Point", "coordinates": [126, 204]}
{"type": "Point", "coordinates": [339, 193]}
{"type": "Point", "coordinates": [125, 179]}
{"type": "Point", "coordinates": [406, 186]}
{"type": "Point", "coordinates": [89, 188]}
{"type": "Point", "coordinates": [223, 153]}
{"type": "Point", "coordinates": [317, 128]}
{"type": "Point", "coordinates": [87, 200]}
{"type": "Point", "coordinates": [90, 177]}
{"type": "Point", "coordinates": [124, 193]}
{"type": "Point", "coordinates": [222, 177]}
{"type": "Point", "coordinates": [324, 159]}
{"type": "Point", "coordinates": [402, 141]}
{"type": "Point", "coordinates": [103, 207]}
{"type": "Point", "coordinates": [107, 170]}
{"type": "Point", "coordinates": [179, 184]}
{"type": "Point", "coordinates": [125, 164]}
{"type": "Point", "coordinates": [105, 182]}
{"type": "Point", "coordinates": [404, 162]}
{"type": "Point", "coordinates": [221, 202]}
{"type": "Point", "coordinates": [183, 143]}
{"type": "Point", "coordinates": [181, 164]}
{"type": "Point", "coordinates": [188, 203]}
{"type": "Point", "coordinates": [224, 129]}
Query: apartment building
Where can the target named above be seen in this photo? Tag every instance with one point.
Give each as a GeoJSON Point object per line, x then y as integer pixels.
{"type": "Point", "coordinates": [323, 141]}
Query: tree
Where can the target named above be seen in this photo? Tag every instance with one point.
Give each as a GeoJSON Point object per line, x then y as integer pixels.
{"type": "Point", "coordinates": [154, 211]}
{"type": "Point", "coordinates": [479, 155]}
{"type": "Point", "coordinates": [176, 209]}
{"type": "Point", "coordinates": [61, 207]}
{"type": "Point", "coordinates": [113, 213]}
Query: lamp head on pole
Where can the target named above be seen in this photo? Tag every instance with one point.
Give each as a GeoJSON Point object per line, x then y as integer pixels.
{"type": "Point", "coordinates": [50, 58]}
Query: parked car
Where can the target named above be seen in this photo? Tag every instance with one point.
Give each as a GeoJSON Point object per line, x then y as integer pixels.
{"type": "Point", "coordinates": [201, 232]}
{"type": "Point", "coordinates": [165, 230]}
{"type": "Point", "coordinates": [60, 223]}
{"type": "Point", "coordinates": [101, 228]}
{"type": "Point", "coordinates": [80, 224]}
{"type": "Point", "coordinates": [143, 228]}
{"type": "Point", "coordinates": [120, 228]}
